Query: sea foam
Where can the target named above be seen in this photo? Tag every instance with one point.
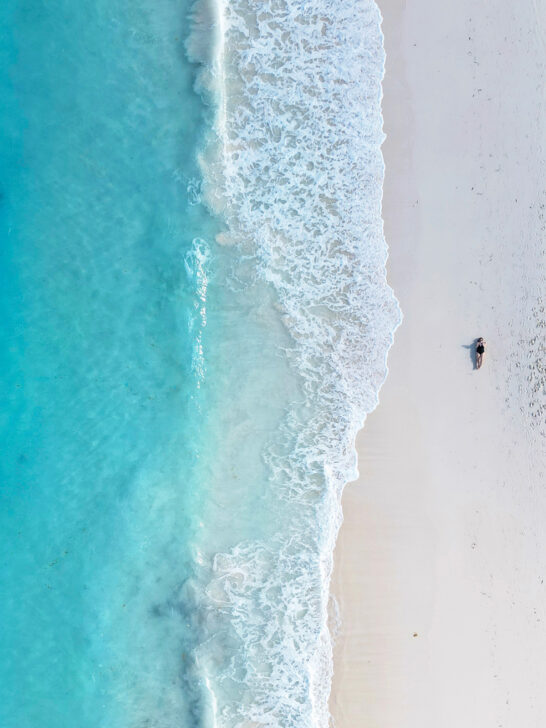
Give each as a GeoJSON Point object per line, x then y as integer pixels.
{"type": "Point", "coordinates": [295, 170]}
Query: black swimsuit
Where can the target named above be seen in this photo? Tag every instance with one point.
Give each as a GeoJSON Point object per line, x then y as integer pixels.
{"type": "Point", "coordinates": [480, 349]}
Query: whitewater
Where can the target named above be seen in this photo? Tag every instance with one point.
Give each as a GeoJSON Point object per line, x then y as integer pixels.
{"type": "Point", "coordinates": [295, 171]}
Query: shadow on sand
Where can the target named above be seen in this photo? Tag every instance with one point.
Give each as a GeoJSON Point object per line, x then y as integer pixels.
{"type": "Point", "coordinates": [472, 352]}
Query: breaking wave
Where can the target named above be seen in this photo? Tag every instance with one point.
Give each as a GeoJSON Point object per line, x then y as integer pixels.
{"type": "Point", "coordinates": [295, 170]}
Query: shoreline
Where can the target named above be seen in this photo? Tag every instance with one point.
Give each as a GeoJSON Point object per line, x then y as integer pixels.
{"type": "Point", "coordinates": [440, 561]}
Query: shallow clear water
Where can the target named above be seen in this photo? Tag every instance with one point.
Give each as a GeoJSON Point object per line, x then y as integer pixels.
{"type": "Point", "coordinates": [196, 321]}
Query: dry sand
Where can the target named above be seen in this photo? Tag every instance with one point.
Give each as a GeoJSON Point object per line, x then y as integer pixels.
{"type": "Point", "coordinates": [441, 562]}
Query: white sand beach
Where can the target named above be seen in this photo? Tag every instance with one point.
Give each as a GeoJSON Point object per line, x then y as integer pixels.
{"type": "Point", "coordinates": [441, 561]}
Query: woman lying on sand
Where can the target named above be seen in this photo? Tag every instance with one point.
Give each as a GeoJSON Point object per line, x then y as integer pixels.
{"type": "Point", "coordinates": [480, 351]}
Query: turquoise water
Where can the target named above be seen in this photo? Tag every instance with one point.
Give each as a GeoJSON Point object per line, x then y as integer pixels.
{"type": "Point", "coordinates": [196, 321]}
{"type": "Point", "coordinates": [101, 411]}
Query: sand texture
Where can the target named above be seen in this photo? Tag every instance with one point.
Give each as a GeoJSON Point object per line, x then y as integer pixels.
{"type": "Point", "coordinates": [441, 561]}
